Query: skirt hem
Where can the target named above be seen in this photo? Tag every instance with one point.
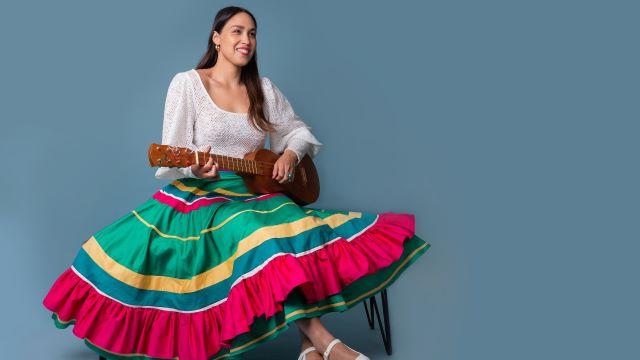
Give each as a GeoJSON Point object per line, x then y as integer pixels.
{"type": "Point", "coordinates": [296, 307]}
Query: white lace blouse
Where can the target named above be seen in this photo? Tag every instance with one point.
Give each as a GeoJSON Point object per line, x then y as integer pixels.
{"type": "Point", "coordinates": [193, 120]}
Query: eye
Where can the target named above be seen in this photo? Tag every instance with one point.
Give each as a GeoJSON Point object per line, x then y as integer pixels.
{"type": "Point", "coordinates": [236, 31]}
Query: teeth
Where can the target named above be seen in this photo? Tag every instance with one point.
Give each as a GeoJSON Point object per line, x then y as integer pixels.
{"type": "Point", "coordinates": [244, 51]}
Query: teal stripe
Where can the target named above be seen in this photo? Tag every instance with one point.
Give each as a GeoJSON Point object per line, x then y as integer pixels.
{"type": "Point", "coordinates": [279, 322]}
{"type": "Point", "coordinates": [59, 324]}
{"type": "Point", "coordinates": [199, 299]}
{"type": "Point", "coordinates": [228, 181]}
{"type": "Point", "coordinates": [137, 247]}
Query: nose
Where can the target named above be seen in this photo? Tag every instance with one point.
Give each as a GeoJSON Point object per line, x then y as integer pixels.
{"type": "Point", "coordinates": [245, 39]}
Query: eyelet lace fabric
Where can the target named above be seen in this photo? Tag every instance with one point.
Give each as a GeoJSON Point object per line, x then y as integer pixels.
{"type": "Point", "coordinates": [193, 120]}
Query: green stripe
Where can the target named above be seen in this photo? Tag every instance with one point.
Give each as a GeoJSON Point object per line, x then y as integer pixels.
{"type": "Point", "coordinates": [263, 330]}
{"type": "Point", "coordinates": [59, 324]}
{"type": "Point", "coordinates": [140, 248]}
{"type": "Point", "coordinates": [201, 298]}
{"type": "Point", "coordinates": [229, 182]}
{"type": "Point", "coordinates": [137, 247]}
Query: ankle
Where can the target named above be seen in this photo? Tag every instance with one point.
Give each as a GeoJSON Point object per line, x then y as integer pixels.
{"type": "Point", "coordinates": [305, 342]}
{"type": "Point", "coordinates": [323, 342]}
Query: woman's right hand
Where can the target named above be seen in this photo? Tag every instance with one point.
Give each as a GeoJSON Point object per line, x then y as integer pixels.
{"type": "Point", "coordinates": [208, 170]}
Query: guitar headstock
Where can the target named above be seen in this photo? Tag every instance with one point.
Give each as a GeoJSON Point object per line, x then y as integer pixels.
{"type": "Point", "coordinates": [170, 156]}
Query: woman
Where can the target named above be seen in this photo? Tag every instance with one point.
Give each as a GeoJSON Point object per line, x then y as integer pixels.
{"type": "Point", "coordinates": [206, 270]}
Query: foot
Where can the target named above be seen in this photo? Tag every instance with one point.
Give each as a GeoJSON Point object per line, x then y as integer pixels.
{"type": "Point", "coordinates": [313, 355]}
{"type": "Point", "coordinates": [339, 351]}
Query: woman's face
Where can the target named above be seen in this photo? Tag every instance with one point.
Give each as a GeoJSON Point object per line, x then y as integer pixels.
{"type": "Point", "coordinates": [237, 39]}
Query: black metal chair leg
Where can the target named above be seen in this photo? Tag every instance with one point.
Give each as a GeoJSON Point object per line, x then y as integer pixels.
{"type": "Point", "coordinates": [383, 322]}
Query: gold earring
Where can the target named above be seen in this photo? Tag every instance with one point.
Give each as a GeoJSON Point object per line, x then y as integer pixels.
{"type": "Point", "coordinates": [217, 47]}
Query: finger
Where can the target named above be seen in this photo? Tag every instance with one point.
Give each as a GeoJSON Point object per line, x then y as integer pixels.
{"type": "Point", "coordinates": [284, 174]}
{"type": "Point", "coordinates": [209, 157]}
{"type": "Point", "coordinates": [213, 171]}
{"type": "Point", "coordinates": [209, 164]}
{"type": "Point", "coordinates": [287, 178]}
{"type": "Point", "coordinates": [280, 173]}
{"type": "Point", "coordinates": [213, 174]}
{"type": "Point", "coordinates": [292, 170]}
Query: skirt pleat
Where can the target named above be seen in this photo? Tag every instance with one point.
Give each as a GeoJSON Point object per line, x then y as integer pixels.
{"type": "Point", "coordinates": [207, 270]}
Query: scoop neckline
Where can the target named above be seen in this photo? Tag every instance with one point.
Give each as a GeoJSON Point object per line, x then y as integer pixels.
{"type": "Point", "coordinates": [206, 93]}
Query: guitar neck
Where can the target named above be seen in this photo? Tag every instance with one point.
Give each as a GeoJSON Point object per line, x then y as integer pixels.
{"type": "Point", "coordinates": [236, 164]}
{"type": "Point", "coordinates": [174, 156]}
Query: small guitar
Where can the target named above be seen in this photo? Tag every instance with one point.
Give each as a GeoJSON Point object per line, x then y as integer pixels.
{"type": "Point", "coordinates": [255, 169]}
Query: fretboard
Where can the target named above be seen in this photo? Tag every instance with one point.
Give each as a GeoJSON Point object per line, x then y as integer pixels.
{"type": "Point", "coordinates": [232, 163]}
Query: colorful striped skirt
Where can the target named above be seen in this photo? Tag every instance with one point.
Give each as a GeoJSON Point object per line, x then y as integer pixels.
{"type": "Point", "coordinates": [206, 270]}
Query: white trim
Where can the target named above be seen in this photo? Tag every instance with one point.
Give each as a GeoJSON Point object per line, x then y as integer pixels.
{"type": "Point", "coordinates": [208, 198]}
{"type": "Point", "coordinates": [243, 276]}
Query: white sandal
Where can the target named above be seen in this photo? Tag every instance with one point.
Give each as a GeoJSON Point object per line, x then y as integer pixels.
{"type": "Point", "coordinates": [303, 354]}
{"type": "Point", "coordinates": [333, 343]}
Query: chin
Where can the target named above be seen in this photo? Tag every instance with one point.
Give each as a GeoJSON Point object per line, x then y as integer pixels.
{"type": "Point", "coordinates": [240, 63]}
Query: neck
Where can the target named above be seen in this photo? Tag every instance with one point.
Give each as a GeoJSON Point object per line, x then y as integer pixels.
{"type": "Point", "coordinates": [225, 72]}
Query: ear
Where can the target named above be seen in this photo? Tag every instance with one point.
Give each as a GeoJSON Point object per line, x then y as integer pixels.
{"type": "Point", "coordinates": [215, 37]}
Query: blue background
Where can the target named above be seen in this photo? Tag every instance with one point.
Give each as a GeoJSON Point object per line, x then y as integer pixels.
{"type": "Point", "coordinates": [509, 128]}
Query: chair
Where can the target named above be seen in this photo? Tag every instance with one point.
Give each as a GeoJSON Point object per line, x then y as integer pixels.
{"type": "Point", "coordinates": [383, 323]}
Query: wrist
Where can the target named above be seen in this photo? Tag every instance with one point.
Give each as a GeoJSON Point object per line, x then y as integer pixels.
{"type": "Point", "coordinates": [293, 154]}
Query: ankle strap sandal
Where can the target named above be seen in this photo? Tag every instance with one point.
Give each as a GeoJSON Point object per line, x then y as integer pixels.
{"type": "Point", "coordinates": [333, 343]}
{"type": "Point", "coordinates": [303, 354]}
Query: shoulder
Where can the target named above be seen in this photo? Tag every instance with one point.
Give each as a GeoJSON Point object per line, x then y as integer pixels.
{"type": "Point", "coordinates": [181, 77]}
{"type": "Point", "coordinates": [267, 85]}
{"type": "Point", "coordinates": [270, 89]}
{"type": "Point", "coordinates": [182, 81]}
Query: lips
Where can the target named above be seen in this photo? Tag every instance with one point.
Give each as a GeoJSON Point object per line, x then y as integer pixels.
{"type": "Point", "coordinates": [243, 51]}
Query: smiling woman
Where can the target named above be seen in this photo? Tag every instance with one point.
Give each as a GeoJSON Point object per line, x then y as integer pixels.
{"type": "Point", "coordinates": [205, 269]}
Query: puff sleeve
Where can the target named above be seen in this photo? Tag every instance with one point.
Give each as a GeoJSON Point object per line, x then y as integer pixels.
{"type": "Point", "coordinates": [291, 131]}
{"type": "Point", "coordinates": [177, 125]}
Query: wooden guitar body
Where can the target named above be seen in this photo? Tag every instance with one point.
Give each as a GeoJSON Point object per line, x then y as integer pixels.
{"type": "Point", "coordinates": [305, 188]}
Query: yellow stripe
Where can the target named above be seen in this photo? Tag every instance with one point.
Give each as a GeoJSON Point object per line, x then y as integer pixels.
{"type": "Point", "coordinates": [160, 232]}
{"type": "Point", "coordinates": [288, 316]}
{"type": "Point", "coordinates": [231, 193]}
{"type": "Point", "coordinates": [197, 191]}
{"type": "Point", "coordinates": [62, 321]}
{"type": "Point", "coordinates": [336, 304]}
{"type": "Point", "coordinates": [197, 237]}
{"type": "Point", "coordinates": [240, 212]}
{"type": "Point", "coordinates": [219, 272]}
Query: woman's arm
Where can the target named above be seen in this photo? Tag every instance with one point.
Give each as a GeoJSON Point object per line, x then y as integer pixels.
{"type": "Point", "coordinates": [291, 131]}
{"type": "Point", "coordinates": [177, 126]}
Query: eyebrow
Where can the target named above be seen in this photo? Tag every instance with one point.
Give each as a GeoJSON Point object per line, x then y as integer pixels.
{"type": "Point", "coordinates": [240, 26]}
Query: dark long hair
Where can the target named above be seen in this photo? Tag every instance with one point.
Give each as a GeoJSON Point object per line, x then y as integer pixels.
{"type": "Point", "coordinates": [249, 74]}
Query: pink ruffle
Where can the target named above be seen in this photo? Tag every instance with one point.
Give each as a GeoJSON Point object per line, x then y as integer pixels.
{"type": "Point", "coordinates": [124, 329]}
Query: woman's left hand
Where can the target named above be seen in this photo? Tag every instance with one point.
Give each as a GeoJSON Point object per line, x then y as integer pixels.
{"type": "Point", "coordinates": [284, 165]}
